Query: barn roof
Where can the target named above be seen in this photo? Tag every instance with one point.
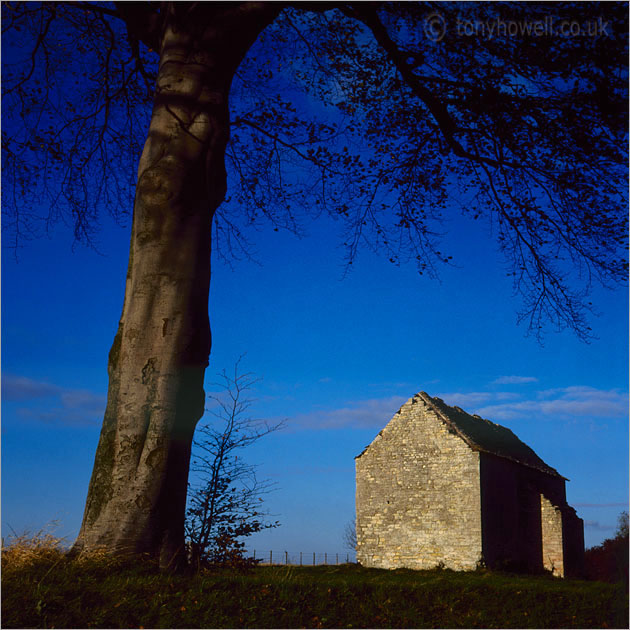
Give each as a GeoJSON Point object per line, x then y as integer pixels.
{"type": "Point", "coordinates": [485, 436]}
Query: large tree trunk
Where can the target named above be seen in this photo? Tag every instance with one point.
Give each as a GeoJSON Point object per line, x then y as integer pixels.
{"type": "Point", "coordinates": [137, 494]}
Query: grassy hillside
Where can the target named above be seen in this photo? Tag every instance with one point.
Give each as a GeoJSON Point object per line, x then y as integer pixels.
{"type": "Point", "coordinates": [47, 590]}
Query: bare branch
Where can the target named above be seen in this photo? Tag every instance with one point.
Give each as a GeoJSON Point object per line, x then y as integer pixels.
{"type": "Point", "coordinates": [224, 504]}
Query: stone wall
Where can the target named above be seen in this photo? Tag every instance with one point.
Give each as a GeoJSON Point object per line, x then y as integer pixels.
{"type": "Point", "coordinates": [511, 512]}
{"type": "Point", "coordinates": [520, 532]}
{"type": "Point", "coordinates": [573, 542]}
{"type": "Point", "coordinates": [418, 495]}
{"type": "Point", "coordinates": [552, 541]}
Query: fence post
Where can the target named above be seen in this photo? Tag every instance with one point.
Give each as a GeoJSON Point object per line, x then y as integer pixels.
{"type": "Point", "coordinates": [325, 557]}
{"type": "Point", "coordinates": [347, 558]}
{"type": "Point", "coordinates": [270, 557]}
{"type": "Point", "coordinates": [286, 557]}
{"type": "Point", "coordinates": [300, 558]}
{"type": "Point", "coordinates": [313, 558]}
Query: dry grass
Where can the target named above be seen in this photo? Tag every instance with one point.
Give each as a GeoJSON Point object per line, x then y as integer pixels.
{"type": "Point", "coordinates": [20, 551]}
{"type": "Point", "coordinates": [45, 549]}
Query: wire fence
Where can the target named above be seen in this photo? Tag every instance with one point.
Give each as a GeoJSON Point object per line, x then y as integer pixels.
{"type": "Point", "coordinates": [301, 558]}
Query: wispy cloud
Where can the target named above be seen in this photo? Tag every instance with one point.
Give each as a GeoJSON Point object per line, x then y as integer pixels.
{"type": "Point", "coordinates": [514, 380]}
{"type": "Point", "coordinates": [52, 403]}
{"type": "Point", "coordinates": [560, 404]}
{"type": "Point", "coordinates": [363, 414]}
{"type": "Point", "coordinates": [599, 505]}
{"type": "Point", "coordinates": [17, 388]}
{"type": "Point", "coordinates": [598, 526]}
{"type": "Point", "coordinates": [564, 403]}
{"type": "Point", "coordinates": [464, 400]}
{"type": "Point", "coordinates": [472, 401]}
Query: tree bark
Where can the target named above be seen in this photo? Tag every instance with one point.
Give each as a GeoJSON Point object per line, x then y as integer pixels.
{"type": "Point", "coordinates": [137, 495]}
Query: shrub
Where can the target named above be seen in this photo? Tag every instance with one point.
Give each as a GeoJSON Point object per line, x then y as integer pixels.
{"type": "Point", "coordinates": [608, 562]}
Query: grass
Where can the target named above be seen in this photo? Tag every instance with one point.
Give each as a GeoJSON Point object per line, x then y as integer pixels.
{"type": "Point", "coordinates": [42, 588]}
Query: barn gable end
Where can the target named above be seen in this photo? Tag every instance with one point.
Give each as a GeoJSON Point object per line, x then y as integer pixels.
{"type": "Point", "coordinates": [399, 526]}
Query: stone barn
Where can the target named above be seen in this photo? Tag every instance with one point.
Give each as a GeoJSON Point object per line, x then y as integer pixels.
{"type": "Point", "coordinates": [441, 487]}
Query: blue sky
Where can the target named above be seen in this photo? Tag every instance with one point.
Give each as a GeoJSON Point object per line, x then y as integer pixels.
{"type": "Point", "coordinates": [337, 355]}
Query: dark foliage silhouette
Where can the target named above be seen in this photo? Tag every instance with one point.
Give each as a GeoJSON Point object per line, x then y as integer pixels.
{"type": "Point", "coordinates": [608, 562]}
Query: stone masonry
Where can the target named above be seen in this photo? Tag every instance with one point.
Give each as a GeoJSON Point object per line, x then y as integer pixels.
{"type": "Point", "coordinates": [551, 518]}
{"type": "Point", "coordinates": [400, 526]}
{"type": "Point", "coordinates": [439, 487]}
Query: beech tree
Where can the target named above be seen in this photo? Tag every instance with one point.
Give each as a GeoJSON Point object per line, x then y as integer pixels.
{"type": "Point", "coordinates": [388, 116]}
